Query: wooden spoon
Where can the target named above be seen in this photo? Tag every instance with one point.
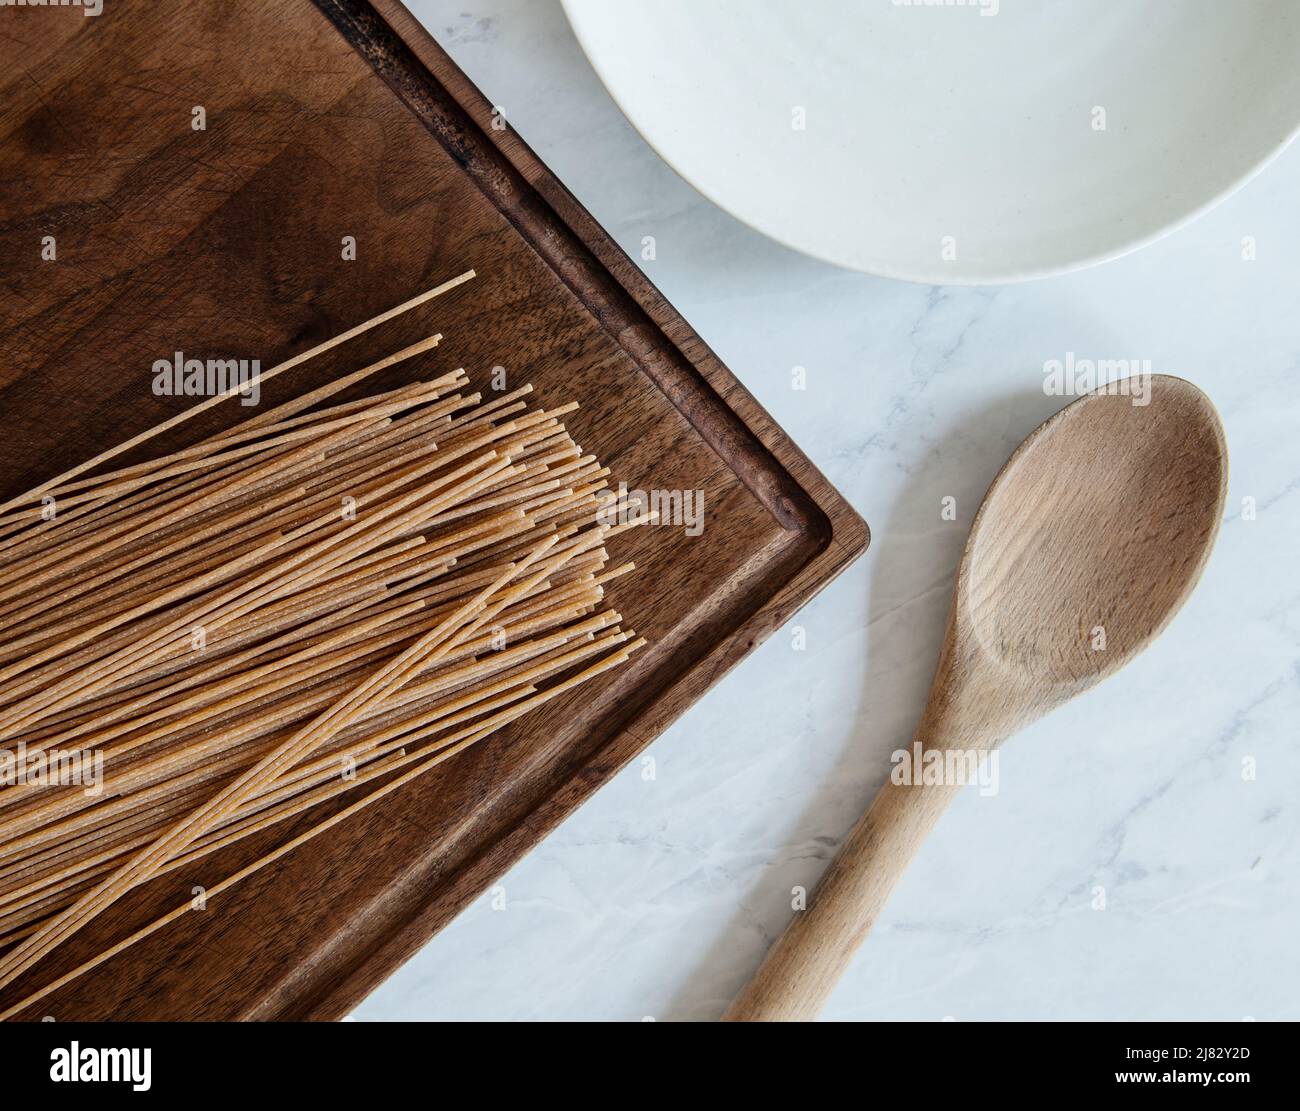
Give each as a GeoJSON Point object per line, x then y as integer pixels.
{"type": "Point", "coordinates": [1088, 542]}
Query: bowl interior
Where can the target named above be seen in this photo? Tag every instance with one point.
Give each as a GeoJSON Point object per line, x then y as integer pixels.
{"type": "Point", "coordinates": [989, 140]}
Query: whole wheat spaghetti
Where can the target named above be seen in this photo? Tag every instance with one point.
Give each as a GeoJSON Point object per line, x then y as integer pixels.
{"type": "Point", "coordinates": [330, 598]}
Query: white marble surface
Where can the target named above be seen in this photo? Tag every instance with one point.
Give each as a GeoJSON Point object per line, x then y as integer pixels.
{"type": "Point", "coordinates": [658, 897]}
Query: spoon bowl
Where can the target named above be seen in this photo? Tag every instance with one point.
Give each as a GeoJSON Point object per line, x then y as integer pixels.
{"type": "Point", "coordinates": [1092, 536]}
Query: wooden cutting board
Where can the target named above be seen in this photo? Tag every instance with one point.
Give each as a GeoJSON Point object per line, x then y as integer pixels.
{"type": "Point", "coordinates": [325, 120]}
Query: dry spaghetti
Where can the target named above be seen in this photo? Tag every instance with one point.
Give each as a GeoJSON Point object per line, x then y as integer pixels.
{"type": "Point", "coordinates": [327, 598]}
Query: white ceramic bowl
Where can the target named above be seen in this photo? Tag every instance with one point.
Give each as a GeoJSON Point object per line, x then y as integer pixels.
{"type": "Point", "coordinates": [965, 141]}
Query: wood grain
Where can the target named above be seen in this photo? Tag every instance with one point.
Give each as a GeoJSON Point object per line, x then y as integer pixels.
{"type": "Point", "coordinates": [324, 121]}
{"type": "Point", "coordinates": [1088, 542]}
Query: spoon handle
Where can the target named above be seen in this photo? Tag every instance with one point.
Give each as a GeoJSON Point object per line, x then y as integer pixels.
{"type": "Point", "coordinates": [803, 966]}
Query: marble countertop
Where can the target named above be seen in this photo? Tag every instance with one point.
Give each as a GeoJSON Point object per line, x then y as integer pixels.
{"type": "Point", "coordinates": [1171, 790]}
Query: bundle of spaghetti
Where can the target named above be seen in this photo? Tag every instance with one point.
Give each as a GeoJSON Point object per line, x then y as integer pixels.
{"type": "Point", "coordinates": [325, 600]}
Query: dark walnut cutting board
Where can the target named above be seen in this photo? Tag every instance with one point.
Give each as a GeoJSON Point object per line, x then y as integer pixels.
{"type": "Point", "coordinates": [324, 120]}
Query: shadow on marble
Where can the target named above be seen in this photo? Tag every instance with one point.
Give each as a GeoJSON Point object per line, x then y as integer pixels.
{"type": "Point", "coordinates": [914, 512]}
